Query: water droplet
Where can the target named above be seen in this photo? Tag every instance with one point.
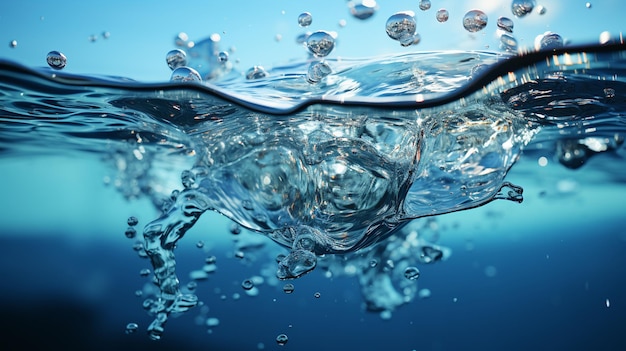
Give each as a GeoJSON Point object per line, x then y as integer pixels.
{"type": "Point", "coordinates": [132, 221]}
{"type": "Point", "coordinates": [200, 244]}
{"type": "Point", "coordinates": [550, 41]}
{"type": "Point", "coordinates": [320, 43]}
{"type": "Point", "coordinates": [247, 284]}
{"type": "Point", "coordinates": [222, 57]}
{"type": "Point", "coordinates": [342, 23]}
{"type": "Point", "coordinates": [13, 43]}
{"type": "Point", "coordinates": [106, 35]}
{"type": "Point", "coordinates": [317, 71]}
{"type": "Point", "coordinates": [411, 273]}
{"type": "Point", "coordinates": [521, 8]}
{"type": "Point", "coordinates": [256, 72]}
{"type": "Point", "coordinates": [56, 60]}
{"type": "Point", "coordinates": [474, 21]}
{"type": "Point", "coordinates": [130, 232]}
{"type": "Point", "coordinates": [491, 271]}
{"type": "Point", "coordinates": [401, 26]}
{"type": "Point", "coordinates": [131, 328]}
{"type": "Point", "coordinates": [288, 288]}
{"type": "Point", "coordinates": [282, 339]}
{"type": "Point", "coordinates": [362, 9]}
{"type": "Point", "coordinates": [442, 15]}
{"type": "Point", "coordinates": [305, 19]}
{"type": "Point", "coordinates": [424, 5]}
{"type": "Point", "coordinates": [317, 295]}
{"type": "Point", "coordinates": [144, 272]}
{"type": "Point", "coordinates": [176, 58]}
{"type": "Point", "coordinates": [506, 24]}
{"type": "Point", "coordinates": [588, 5]}
{"type": "Point", "coordinates": [185, 74]}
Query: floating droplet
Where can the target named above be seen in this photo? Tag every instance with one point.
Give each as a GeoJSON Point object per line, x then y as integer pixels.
{"type": "Point", "coordinates": [185, 74]}
{"type": "Point", "coordinates": [56, 60]}
{"type": "Point", "coordinates": [442, 15]}
{"type": "Point", "coordinates": [288, 288]}
{"type": "Point", "coordinates": [132, 221]}
{"type": "Point", "coordinates": [317, 71]}
{"type": "Point", "coordinates": [521, 8]}
{"type": "Point", "coordinates": [247, 284]}
{"type": "Point", "coordinates": [181, 39]}
{"type": "Point", "coordinates": [607, 303]}
{"type": "Point", "coordinates": [474, 21]}
{"type": "Point", "coordinates": [256, 72]}
{"type": "Point", "coordinates": [282, 339]}
{"type": "Point", "coordinates": [131, 328]}
{"type": "Point", "coordinates": [424, 5]}
{"type": "Point", "coordinates": [550, 41]}
{"type": "Point", "coordinates": [320, 43]}
{"type": "Point", "coordinates": [13, 43]}
{"type": "Point", "coordinates": [305, 19]}
{"type": "Point", "coordinates": [176, 58]}
{"type": "Point", "coordinates": [222, 56]}
{"type": "Point", "coordinates": [411, 273]}
{"type": "Point", "coordinates": [130, 232]}
{"type": "Point", "coordinates": [506, 24]}
{"type": "Point", "coordinates": [362, 9]}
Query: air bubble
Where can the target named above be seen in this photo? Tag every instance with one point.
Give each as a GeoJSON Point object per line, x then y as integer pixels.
{"type": "Point", "coordinates": [317, 295]}
{"type": "Point", "coordinates": [13, 43]}
{"type": "Point", "coordinates": [506, 24]}
{"type": "Point", "coordinates": [176, 58]}
{"type": "Point", "coordinates": [550, 41]}
{"type": "Point", "coordinates": [144, 272]}
{"type": "Point", "coordinates": [474, 21]}
{"type": "Point", "coordinates": [131, 328]}
{"type": "Point", "coordinates": [222, 57]}
{"type": "Point", "coordinates": [212, 322]}
{"type": "Point", "coordinates": [288, 288]}
{"type": "Point", "coordinates": [320, 43]}
{"type": "Point", "coordinates": [296, 264]}
{"type": "Point", "coordinates": [609, 93]}
{"type": "Point", "coordinates": [305, 19]}
{"type": "Point", "coordinates": [247, 284]}
{"type": "Point", "coordinates": [282, 339]}
{"type": "Point", "coordinates": [588, 5]}
{"type": "Point", "coordinates": [521, 8]}
{"type": "Point", "coordinates": [56, 60]}
{"type": "Point", "coordinates": [508, 42]}
{"type": "Point", "coordinates": [239, 255]}
{"type": "Point", "coordinates": [200, 244]}
{"type": "Point", "coordinates": [442, 15]}
{"type": "Point", "coordinates": [411, 273]}
{"type": "Point", "coordinates": [256, 72]}
{"type": "Point", "coordinates": [317, 71]}
{"type": "Point", "coordinates": [130, 232]}
{"type": "Point", "coordinates": [132, 221]}
{"type": "Point", "coordinates": [401, 26]}
{"type": "Point", "coordinates": [362, 9]}
{"type": "Point", "coordinates": [185, 74]}
{"type": "Point", "coordinates": [424, 293]}
{"type": "Point", "coordinates": [424, 5]}
{"type": "Point", "coordinates": [235, 229]}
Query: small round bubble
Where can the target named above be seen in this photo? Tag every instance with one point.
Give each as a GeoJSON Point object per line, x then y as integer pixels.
{"type": "Point", "coordinates": [305, 19]}
{"type": "Point", "coordinates": [130, 232]}
{"type": "Point", "coordinates": [185, 74]}
{"type": "Point", "coordinates": [588, 5]}
{"type": "Point", "coordinates": [56, 60]}
{"type": "Point", "coordinates": [521, 8]}
{"type": "Point", "coordinates": [13, 43]}
{"type": "Point", "coordinates": [474, 21]}
{"type": "Point", "coordinates": [222, 56]}
{"type": "Point", "coordinates": [282, 339]}
{"type": "Point", "coordinates": [541, 10]}
{"type": "Point", "coordinates": [506, 24]}
{"type": "Point", "coordinates": [401, 26]}
{"type": "Point", "coordinates": [176, 58]}
{"type": "Point", "coordinates": [247, 284]}
{"type": "Point", "coordinates": [424, 5]}
{"type": "Point", "coordinates": [442, 15]}
{"type": "Point", "coordinates": [288, 288]}
{"type": "Point", "coordinates": [320, 43]}
{"type": "Point", "coordinates": [132, 221]}
{"type": "Point", "coordinates": [411, 273]}
{"type": "Point", "coordinates": [362, 9]}
{"type": "Point", "coordinates": [131, 328]}
{"type": "Point", "coordinates": [317, 295]}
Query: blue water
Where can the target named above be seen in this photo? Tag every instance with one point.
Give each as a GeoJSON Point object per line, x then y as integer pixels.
{"type": "Point", "coordinates": [352, 160]}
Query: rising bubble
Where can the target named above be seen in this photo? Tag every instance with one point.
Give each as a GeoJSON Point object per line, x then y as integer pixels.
{"type": "Point", "coordinates": [131, 328]}
{"type": "Point", "coordinates": [401, 26]}
{"type": "Point", "coordinates": [13, 43]}
{"type": "Point", "coordinates": [305, 19]}
{"type": "Point", "coordinates": [320, 43]}
{"type": "Point", "coordinates": [176, 58]}
{"type": "Point", "coordinates": [247, 284]}
{"type": "Point", "coordinates": [541, 10]}
{"type": "Point", "coordinates": [442, 15]}
{"type": "Point", "coordinates": [362, 9]}
{"type": "Point", "coordinates": [288, 288]}
{"type": "Point", "coordinates": [521, 8]}
{"type": "Point", "coordinates": [132, 221]}
{"type": "Point", "coordinates": [411, 273]}
{"type": "Point", "coordinates": [222, 56]}
{"type": "Point", "coordinates": [506, 24]}
{"type": "Point", "coordinates": [474, 21]}
{"type": "Point", "coordinates": [56, 60]}
{"type": "Point", "coordinates": [317, 295]}
{"type": "Point", "coordinates": [424, 5]}
{"type": "Point", "coordinates": [282, 339]}
{"type": "Point", "coordinates": [185, 74]}
{"type": "Point", "coordinates": [588, 5]}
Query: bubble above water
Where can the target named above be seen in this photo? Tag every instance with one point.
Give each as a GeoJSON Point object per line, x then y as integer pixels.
{"type": "Point", "coordinates": [474, 21]}
{"type": "Point", "coordinates": [550, 40]}
{"type": "Point", "coordinates": [521, 8]}
{"type": "Point", "coordinates": [508, 42]}
{"type": "Point", "coordinates": [424, 5]}
{"type": "Point", "coordinates": [185, 74]}
{"type": "Point", "coordinates": [305, 19]}
{"type": "Point", "coordinates": [256, 72]}
{"type": "Point", "coordinates": [442, 15]}
{"type": "Point", "coordinates": [362, 9]}
{"type": "Point", "coordinates": [317, 71]}
{"type": "Point", "coordinates": [56, 60]}
{"type": "Point", "coordinates": [506, 24]}
{"type": "Point", "coordinates": [401, 26]}
{"type": "Point", "coordinates": [320, 43]}
{"type": "Point", "coordinates": [282, 339]}
{"type": "Point", "coordinates": [176, 58]}
{"type": "Point", "coordinates": [411, 273]}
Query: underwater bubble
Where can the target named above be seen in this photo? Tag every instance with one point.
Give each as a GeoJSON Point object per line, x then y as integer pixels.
{"type": "Point", "coordinates": [521, 8]}
{"type": "Point", "coordinates": [235, 228]}
{"type": "Point", "coordinates": [541, 10]}
{"type": "Point", "coordinates": [411, 273]}
{"type": "Point", "coordinates": [362, 9]}
{"type": "Point", "coordinates": [192, 285]}
{"type": "Point", "coordinates": [200, 244]}
{"type": "Point", "coordinates": [301, 38]}
{"type": "Point", "coordinates": [247, 284]}
{"type": "Point", "coordinates": [317, 71]}
{"type": "Point", "coordinates": [506, 24]}
{"type": "Point", "coordinates": [317, 295]}
{"type": "Point", "coordinates": [144, 272]}
{"type": "Point", "coordinates": [442, 15]}
{"type": "Point", "coordinates": [130, 232]}
{"type": "Point", "coordinates": [296, 264]}
{"type": "Point", "coordinates": [305, 19]}
{"type": "Point", "coordinates": [609, 93]}
{"type": "Point", "coordinates": [320, 43]}
{"type": "Point", "coordinates": [424, 5]}
{"type": "Point", "coordinates": [132, 221]}
{"type": "Point", "coordinates": [588, 5]}
{"type": "Point", "coordinates": [210, 260]}
{"type": "Point", "coordinates": [550, 41]}
{"type": "Point", "coordinates": [282, 339]}
{"type": "Point", "coordinates": [288, 288]}
{"type": "Point", "coordinates": [131, 328]}
{"type": "Point", "coordinates": [256, 72]}
{"type": "Point", "coordinates": [106, 35]}
{"type": "Point", "coordinates": [185, 74]}
{"type": "Point", "coordinates": [474, 21]}
{"type": "Point", "coordinates": [239, 254]}
{"type": "Point", "coordinates": [187, 179]}
{"type": "Point", "coordinates": [222, 56]}
{"type": "Point", "coordinates": [13, 43]}
{"type": "Point", "coordinates": [401, 26]}
{"type": "Point", "coordinates": [56, 60]}
{"type": "Point", "coordinates": [342, 23]}
{"type": "Point", "coordinates": [176, 58]}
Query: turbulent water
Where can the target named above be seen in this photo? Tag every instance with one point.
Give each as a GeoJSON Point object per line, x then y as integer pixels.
{"type": "Point", "coordinates": [338, 165]}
